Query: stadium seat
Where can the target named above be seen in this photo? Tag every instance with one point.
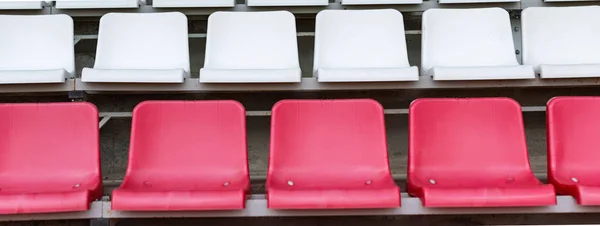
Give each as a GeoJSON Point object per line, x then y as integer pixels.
{"type": "Point", "coordinates": [559, 41]}
{"type": "Point", "coordinates": [186, 155]}
{"type": "Point", "coordinates": [124, 56]}
{"type": "Point", "coordinates": [573, 125]}
{"type": "Point", "coordinates": [380, 2]}
{"type": "Point", "coordinates": [21, 5]}
{"type": "Point", "coordinates": [192, 3]}
{"type": "Point", "coordinates": [36, 49]}
{"type": "Point", "coordinates": [50, 157]}
{"type": "Point", "coordinates": [329, 154]}
{"type": "Point", "coordinates": [475, 1]}
{"type": "Point", "coordinates": [251, 47]}
{"type": "Point", "coordinates": [470, 44]}
{"type": "Point", "coordinates": [471, 153]}
{"type": "Point", "coordinates": [287, 2]}
{"type": "Point", "coordinates": [97, 4]}
{"type": "Point", "coordinates": [377, 53]}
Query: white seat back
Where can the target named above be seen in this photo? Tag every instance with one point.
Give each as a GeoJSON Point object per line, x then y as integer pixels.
{"type": "Point", "coordinates": [143, 41]}
{"type": "Point", "coordinates": [192, 3]}
{"type": "Point", "coordinates": [561, 35]}
{"type": "Point", "coordinates": [21, 5]}
{"type": "Point", "coordinates": [380, 2]}
{"type": "Point", "coordinates": [466, 38]}
{"type": "Point", "coordinates": [475, 1]}
{"type": "Point", "coordinates": [346, 39]}
{"type": "Point", "coordinates": [96, 4]}
{"type": "Point", "coordinates": [287, 2]}
{"type": "Point", "coordinates": [251, 40]}
{"type": "Point", "coordinates": [42, 42]}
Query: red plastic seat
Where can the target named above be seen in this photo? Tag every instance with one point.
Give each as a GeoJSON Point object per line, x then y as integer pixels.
{"type": "Point", "coordinates": [49, 157]}
{"type": "Point", "coordinates": [471, 153]}
{"type": "Point", "coordinates": [329, 154]}
{"type": "Point", "coordinates": [573, 147]}
{"type": "Point", "coordinates": [186, 155]}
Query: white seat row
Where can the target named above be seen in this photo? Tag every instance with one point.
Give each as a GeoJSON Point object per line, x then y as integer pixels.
{"type": "Point", "coordinates": [90, 4]}
{"type": "Point", "coordinates": [261, 47]}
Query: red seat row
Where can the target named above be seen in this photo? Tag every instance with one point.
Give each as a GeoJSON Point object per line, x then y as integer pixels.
{"type": "Point", "coordinates": [191, 155]}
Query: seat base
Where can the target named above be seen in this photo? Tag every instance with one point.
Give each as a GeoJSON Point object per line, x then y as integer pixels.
{"type": "Point", "coordinates": [33, 76]}
{"type": "Point", "coordinates": [483, 73]}
{"type": "Point", "coordinates": [539, 195]}
{"type": "Point", "coordinates": [333, 198]}
{"type": "Point", "coordinates": [44, 202]}
{"type": "Point", "coordinates": [368, 74]}
{"type": "Point", "coordinates": [587, 195]}
{"type": "Point", "coordinates": [287, 2]}
{"type": "Point", "coordinates": [250, 76]}
{"type": "Point", "coordinates": [380, 2]}
{"type": "Point", "coordinates": [133, 76]}
{"type": "Point", "coordinates": [134, 200]}
{"type": "Point", "coordinates": [570, 71]}
{"type": "Point", "coordinates": [97, 4]}
{"type": "Point", "coordinates": [192, 3]}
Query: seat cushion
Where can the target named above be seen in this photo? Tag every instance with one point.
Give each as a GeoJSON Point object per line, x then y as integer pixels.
{"type": "Point", "coordinates": [132, 200]}
{"type": "Point", "coordinates": [192, 3]}
{"type": "Point", "coordinates": [538, 195]}
{"type": "Point", "coordinates": [333, 198]}
{"type": "Point", "coordinates": [33, 76]}
{"type": "Point", "coordinates": [97, 4]}
{"type": "Point", "coordinates": [570, 71]}
{"type": "Point", "coordinates": [368, 74]}
{"type": "Point", "coordinates": [588, 195]}
{"type": "Point", "coordinates": [21, 5]}
{"type": "Point", "coordinates": [250, 76]}
{"type": "Point", "coordinates": [133, 76]}
{"type": "Point", "coordinates": [44, 202]}
{"type": "Point", "coordinates": [483, 73]}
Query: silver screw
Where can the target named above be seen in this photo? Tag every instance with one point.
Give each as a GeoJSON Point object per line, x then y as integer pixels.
{"type": "Point", "coordinates": [431, 181]}
{"type": "Point", "coordinates": [77, 185]}
{"type": "Point", "coordinates": [226, 184]}
{"type": "Point", "coordinates": [290, 183]}
{"type": "Point", "coordinates": [574, 180]}
{"type": "Point", "coordinates": [368, 182]}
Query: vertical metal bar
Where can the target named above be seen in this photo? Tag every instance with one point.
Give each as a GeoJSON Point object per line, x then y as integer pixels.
{"type": "Point", "coordinates": [515, 21]}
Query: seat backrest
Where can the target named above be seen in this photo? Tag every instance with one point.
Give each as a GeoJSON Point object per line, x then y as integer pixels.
{"type": "Point", "coordinates": [36, 43]}
{"type": "Point", "coordinates": [21, 5]}
{"type": "Point", "coordinates": [561, 35]}
{"type": "Point", "coordinates": [320, 143]}
{"type": "Point", "coordinates": [460, 140]}
{"type": "Point", "coordinates": [55, 145]}
{"type": "Point", "coordinates": [466, 38]}
{"type": "Point", "coordinates": [96, 4]}
{"type": "Point", "coordinates": [475, 1]}
{"type": "Point", "coordinates": [200, 144]}
{"type": "Point", "coordinates": [360, 39]}
{"type": "Point", "coordinates": [573, 128]}
{"type": "Point", "coordinates": [143, 41]}
{"type": "Point", "coordinates": [251, 40]}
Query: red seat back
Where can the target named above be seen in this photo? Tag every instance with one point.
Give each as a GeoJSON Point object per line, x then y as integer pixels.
{"type": "Point", "coordinates": [328, 144]}
{"type": "Point", "coordinates": [463, 143]}
{"type": "Point", "coordinates": [573, 140]}
{"type": "Point", "coordinates": [189, 145]}
{"type": "Point", "coordinates": [48, 148]}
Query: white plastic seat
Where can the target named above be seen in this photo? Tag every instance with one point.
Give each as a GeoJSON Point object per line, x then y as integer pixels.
{"type": "Point", "coordinates": [569, 0]}
{"type": "Point", "coordinates": [21, 5]}
{"type": "Point", "coordinates": [562, 42]}
{"type": "Point", "coordinates": [36, 49]}
{"type": "Point", "coordinates": [97, 4]}
{"type": "Point", "coordinates": [192, 3]}
{"type": "Point", "coordinates": [287, 2]}
{"type": "Point", "coordinates": [376, 53]}
{"type": "Point", "coordinates": [141, 48]}
{"type": "Point", "coordinates": [380, 2]}
{"type": "Point", "coordinates": [251, 47]}
{"type": "Point", "coordinates": [470, 44]}
{"type": "Point", "coordinates": [475, 1]}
